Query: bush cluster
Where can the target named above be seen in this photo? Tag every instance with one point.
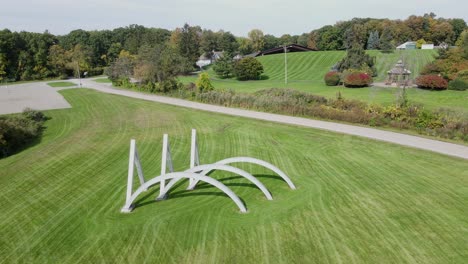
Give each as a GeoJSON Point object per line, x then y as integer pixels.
{"type": "Point", "coordinates": [354, 79]}
{"type": "Point", "coordinates": [332, 78]}
{"type": "Point", "coordinates": [248, 69]}
{"type": "Point", "coordinates": [458, 85]}
{"type": "Point", "coordinates": [288, 101]}
{"type": "Point", "coordinates": [17, 131]}
{"type": "Point", "coordinates": [432, 81]}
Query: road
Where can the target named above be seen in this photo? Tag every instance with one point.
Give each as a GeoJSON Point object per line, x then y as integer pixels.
{"type": "Point", "coordinates": [382, 135]}
{"type": "Point", "coordinates": [441, 147]}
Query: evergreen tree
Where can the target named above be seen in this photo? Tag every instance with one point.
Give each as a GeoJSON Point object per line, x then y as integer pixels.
{"type": "Point", "coordinates": [386, 40]}
{"type": "Point", "coordinates": [373, 42]}
{"type": "Point", "coordinates": [223, 67]}
{"type": "Point", "coordinates": [357, 59]}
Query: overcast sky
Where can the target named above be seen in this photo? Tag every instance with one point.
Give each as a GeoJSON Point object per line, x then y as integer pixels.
{"type": "Point", "coordinates": [238, 16]}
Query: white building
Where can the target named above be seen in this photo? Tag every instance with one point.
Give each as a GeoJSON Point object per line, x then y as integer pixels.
{"type": "Point", "coordinates": [427, 46]}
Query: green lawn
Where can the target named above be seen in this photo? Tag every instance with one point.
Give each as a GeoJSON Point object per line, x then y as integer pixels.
{"type": "Point", "coordinates": [357, 200]}
{"type": "Point", "coordinates": [61, 84]}
{"type": "Point", "coordinates": [103, 80]}
{"type": "Point", "coordinates": [306, 71]}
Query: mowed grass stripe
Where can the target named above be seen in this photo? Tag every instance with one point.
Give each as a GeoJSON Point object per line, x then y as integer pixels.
{"type": "Point", "coordinates": [357, 200]}
{"type": "Point", "coordinates": [312, 66]}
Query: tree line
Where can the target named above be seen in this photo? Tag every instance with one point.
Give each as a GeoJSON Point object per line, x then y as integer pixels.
{"type": "Point", "coordinates": [30, 56]}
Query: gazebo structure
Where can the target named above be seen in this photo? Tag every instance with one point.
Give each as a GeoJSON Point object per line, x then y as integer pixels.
{"type": "Point", "coordinates": [398, 75]}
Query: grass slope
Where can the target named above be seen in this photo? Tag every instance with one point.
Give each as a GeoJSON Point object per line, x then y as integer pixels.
{"type": "Point", "coordinates": [357, 200]}
{"type": "Point", "coordinates": [306, 71]}
{"type": "Point", "coordinates": [312, 66]}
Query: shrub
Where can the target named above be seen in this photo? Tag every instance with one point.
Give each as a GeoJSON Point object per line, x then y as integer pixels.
{"type": "Point", "coordinates": [203, 83]}
{"type": "Point", "coordinates": [431, 81]}
{"type": "Point", "coordinates": [167, 85]}
{"type": "Point", "coordinates": [463, 75]}
{"type": "Point", "coordinates": [17, 131]}
{"type": "Point", "coordinates": [431, 68]}
{"type": "Point", "coordinates": [356, 79]}
{"type": "Point", "coordinates": [458, 85]}
{"type": "Point", "coordinates": [248, 69]}
{"type": "Point", "coordinates": [34, 115]}
{"type": "Point", "coordinates": [332, 78]}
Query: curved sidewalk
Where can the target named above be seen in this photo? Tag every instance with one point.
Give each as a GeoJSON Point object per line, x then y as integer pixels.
{"type": "Point", "coordinates": [392, 137]}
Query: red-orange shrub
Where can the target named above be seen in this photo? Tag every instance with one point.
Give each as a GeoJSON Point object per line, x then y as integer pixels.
{"type": "Point", "coordinates": [357, 79]}
{"type": "Point", "coordinates": [433, 82]}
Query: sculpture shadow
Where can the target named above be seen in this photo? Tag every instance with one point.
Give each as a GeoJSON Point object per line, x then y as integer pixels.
{"type": "Point", "coordinates": [180, 194]}
{"type": "Point", "coordinates": [268, 176]}
{"type": "Point", "coordinates": [204, 185]}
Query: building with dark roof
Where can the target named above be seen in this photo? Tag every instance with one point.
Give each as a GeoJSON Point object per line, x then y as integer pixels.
{"type": "Point", "coordinates": [290, 48]}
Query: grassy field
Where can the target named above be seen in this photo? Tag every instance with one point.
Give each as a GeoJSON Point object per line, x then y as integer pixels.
{"type": "Point", "coordinates": [357, 200]}
{"type": "Point", "coordinates": [61, 84]}
{"type": "Point", "coordinates": [312, 66]}
{"type": "Point", "coordinates": [306, 71]}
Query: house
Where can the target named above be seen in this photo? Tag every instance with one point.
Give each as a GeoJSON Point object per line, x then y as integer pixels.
{"type": "Point", "coordinates": [410, 45]}
{"type": "Point", "coordinates": [427, 46]}
{"type": "Point", "coordinates": [205, 60]}
{"type": "Point", "coordinates": [289, 48]}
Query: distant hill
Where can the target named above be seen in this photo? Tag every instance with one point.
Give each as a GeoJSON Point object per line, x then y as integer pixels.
{"type": "Point", "coordinates": [312, 66]}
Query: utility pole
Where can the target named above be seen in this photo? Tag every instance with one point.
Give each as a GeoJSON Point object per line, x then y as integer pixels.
{"type": "Point", "coordinates": [285, 65]}
{"type": "Point", "coordinates": [79, 74]}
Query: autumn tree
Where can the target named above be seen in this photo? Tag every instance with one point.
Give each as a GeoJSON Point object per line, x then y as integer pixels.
{"type": "Point", "coordinates": [58, 60]}
{"type": "Point", "coordinates": [158, 64]}
{"type": "Point", "coordinates": [256, 37]}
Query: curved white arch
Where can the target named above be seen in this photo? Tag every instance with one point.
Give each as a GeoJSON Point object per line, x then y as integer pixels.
{"type": "Point", "coordinates": [261, 163]}
{"type": "Point", "coordinates": [179, 175]}
{"type": "Point", "coordinates": [210, 167]}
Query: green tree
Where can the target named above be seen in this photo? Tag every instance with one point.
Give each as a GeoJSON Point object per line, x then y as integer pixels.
{"type": "Point", "coordinates": [228, 43]}
{"type": "Point", "coordinates": [462, 43]}
{"type": "Point", "coordinates": [203, 83]}
{"type": "Point", "coordinates": [303, 39]}
{"type": "Point", "coordinates": [355, 35]}
{"type": "Point", "coordinates": [329, 38]}
{"type": "Point", "coordinates": [458, 26]}
{"type": "Point", "coordinates": [386, 40]}
{"type": "Point", "coordinates": [248, 69]}
{"type": "Point", "coordinates": [223, 67]}
{"type": "Point", "coordinates": [357, 59]}
{"type": "Point", "coordinates": [189, 44]}
{"type": "Point", "coordinates": [209, 43]}
{"type": "Point", "coordinates": [271, 41]}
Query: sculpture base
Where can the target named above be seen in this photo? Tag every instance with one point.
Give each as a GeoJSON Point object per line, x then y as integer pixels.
{"type": "Point", "coordinates": [127, 209]}
{"type": "Point", "coordinates": [161, 198]}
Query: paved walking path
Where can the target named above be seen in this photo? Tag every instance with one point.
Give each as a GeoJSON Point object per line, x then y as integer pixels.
{"type": "Point", "coordinates": [392, 137]}
{"type": "Point", "coordinates": [397, 138]}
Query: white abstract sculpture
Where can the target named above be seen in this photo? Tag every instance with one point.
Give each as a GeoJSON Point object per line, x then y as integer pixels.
{"type": "Point", "coordinates": [195, 173]}
{"type": "Point", "coordinates": [194, 153]}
